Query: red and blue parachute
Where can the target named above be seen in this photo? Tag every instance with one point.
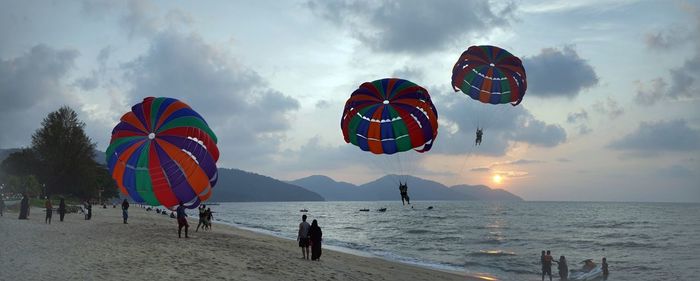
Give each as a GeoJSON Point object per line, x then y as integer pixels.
{"type": "Point", "coordinates": [162, 152]}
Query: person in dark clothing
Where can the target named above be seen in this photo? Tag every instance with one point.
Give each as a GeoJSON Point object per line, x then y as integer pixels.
{"type": "Point", "coordinates": [2, 205]}
{"type": "Point", "coordinates": [62, 209]}
{"type": "Point", "coordinates": [202, 209]}
{"type": "Point", "coordinates": [125, 210]}
{"type": "Point", "coordinates": [403, 189]}
{"type": "Point", "coordinates": [88, 210]}
{"type": "Point", "coordinates": [49, 210]}
{"type": "Point", "coordinates": [547, 265]}
{"type": "Point", "coordinates": [479, 133]}
{"type": "Point", "coordinates": [182, 220]}
{"type": "Point", "coordinates": [315, 236]}
{"type": "Point", "coordinates": [24, 207]}
{"type": "Point", "coordinates": [604, 266]}
{"type": "Point", "coordinates": [563, 268]}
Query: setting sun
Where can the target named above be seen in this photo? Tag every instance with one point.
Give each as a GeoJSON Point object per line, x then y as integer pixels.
{"type": "Point", "coordinates": [497, 178]}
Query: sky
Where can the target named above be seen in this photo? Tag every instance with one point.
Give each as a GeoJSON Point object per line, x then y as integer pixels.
{"type": "Point", "coordinates": [611, 110]}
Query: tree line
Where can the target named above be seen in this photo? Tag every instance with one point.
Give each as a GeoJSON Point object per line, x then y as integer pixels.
{"type": "Point", "coordinates": [60, 161]}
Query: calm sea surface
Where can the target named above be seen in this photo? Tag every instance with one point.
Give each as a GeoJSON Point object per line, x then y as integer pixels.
{"type": "Point", "coordinates": [642, 241]}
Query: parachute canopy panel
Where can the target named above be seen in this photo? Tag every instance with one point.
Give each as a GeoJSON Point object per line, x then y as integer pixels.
{"type": "Point", "coordinates": [162, 152]}
{"type": "Point", "coordinates": [390, 115]}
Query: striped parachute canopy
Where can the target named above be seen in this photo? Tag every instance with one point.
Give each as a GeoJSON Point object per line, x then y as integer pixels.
{"type": "Point", "coordinates": [390, 115]}
{"type": "Point", "coordinates": [162, 153]}
{"type": "Point", "coordinates": [491, 75]}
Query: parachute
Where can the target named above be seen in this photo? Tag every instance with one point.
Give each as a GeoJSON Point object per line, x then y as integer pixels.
{"type": "Point", "coordinates": [162, 152]}
{"type": "Point", "coordinates": [490, 75]}
{"type": "Point", "coordinates": [390, 115]}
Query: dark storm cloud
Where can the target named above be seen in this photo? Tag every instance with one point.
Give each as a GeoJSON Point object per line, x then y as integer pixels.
{"type": "Point", "coordinates": [30, 85]}
{"type": "Point", "coordinates": [412, 26]}
{"type": "Point", "coordinates": [247, 115]}
{"type": "Point", "coordinates": [660, 136]}
{"type": "Point", "coordinates": [558, 73]}
{"type": "Point", "coordinates": [503, 125]}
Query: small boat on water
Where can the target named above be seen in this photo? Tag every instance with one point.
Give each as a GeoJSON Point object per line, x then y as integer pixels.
{"type": "Point", "coordinates": [381, 210]}
{"type": "Point", "coordinates": [303, 210]}
{"type": "Point", "coordinates": [430, 207]}
{"type": "Point", "coordinates": [364, 210]}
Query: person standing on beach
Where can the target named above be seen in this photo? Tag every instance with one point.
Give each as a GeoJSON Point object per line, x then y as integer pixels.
{"type": "Point", "coordinates": [303, 238]}
{"type": "Point", "coordinates": [208, 217]}
{"type": "Point", "coordinates": [604, 266]}
{"type": "Point", "coordinates": [49, 210]}
{"type": "Point", "coordinates": [547, 265]}
{"type": "Point", "coordinates": [24, 207]}
{"type": "Point", "coordinates": [201, 210]}
{"type": "Point", "coordinates": [563, 268]}
{"type": "Point", "coordinates": [61, 209]}
{"type": "Point", "coordinates": [182, 220]}
{"type": "Point", "coordinates": [315, 237]}
{"type": "Point", "coordinates": [125, 210]}
{"type": "Point", "coordinates": [2, 205]}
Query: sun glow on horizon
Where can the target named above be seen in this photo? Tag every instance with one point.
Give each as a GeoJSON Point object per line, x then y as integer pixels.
{"type": "Point", "coordinates": [497, 179]}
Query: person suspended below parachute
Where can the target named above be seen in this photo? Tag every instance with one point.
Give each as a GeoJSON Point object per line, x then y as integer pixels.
{"type": "Point", "coordinates": [403, 189]}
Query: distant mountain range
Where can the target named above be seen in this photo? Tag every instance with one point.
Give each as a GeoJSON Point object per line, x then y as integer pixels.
{"type": "Point", "coordinates": [240, 186]}
{"type": "Point", "coordinates": [386, 188]}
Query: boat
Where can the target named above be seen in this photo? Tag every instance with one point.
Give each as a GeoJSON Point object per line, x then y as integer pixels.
{"type": "Point", "coordinates": [364, 210]}
{"type": "Point", "coordinates": [430, 207]}
{"type": "Point", "coordinates": [303, 210]}
{"type": "Point", "coordinates": [381, 210]}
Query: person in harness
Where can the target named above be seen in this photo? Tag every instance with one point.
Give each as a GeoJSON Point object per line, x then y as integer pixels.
{"type": "Point", "coordinates": [479, 133]}
{"type": "Point", "coordinates": [403, 188]}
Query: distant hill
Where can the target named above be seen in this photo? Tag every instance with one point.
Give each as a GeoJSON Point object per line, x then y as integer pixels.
{"type": "Point", "coordinates": [240, 186]}
{"type": "Point", "coordinates": [6, 152]}
{"type": "Point", "coordinates": [484, 193]}
{"type": "Point", "coordinates": [386, 188]}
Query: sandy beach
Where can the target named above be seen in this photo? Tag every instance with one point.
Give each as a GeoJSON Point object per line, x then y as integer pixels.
{"type": "Point", "coordinates": [148, 248]}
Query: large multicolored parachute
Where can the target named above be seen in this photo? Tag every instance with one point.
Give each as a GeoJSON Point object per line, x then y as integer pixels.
{"type": "Point", "coordinates": [491, 75]}
{"type": "Point", "coordinates": [162, 153]}
{"type": "Point", "coordinates": [388, 116]}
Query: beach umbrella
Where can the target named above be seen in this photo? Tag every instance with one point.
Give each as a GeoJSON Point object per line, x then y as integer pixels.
{"type": "Point", "coordinates": [163, 152]}
{"type": "Point", "coordinates": [490, 75]}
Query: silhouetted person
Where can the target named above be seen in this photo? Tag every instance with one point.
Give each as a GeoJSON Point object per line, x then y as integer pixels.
{"type": "Point", "coordinates": [62, 209]}
{"type": "Point", "coordinates": [315, 237]}
{"type": "Point", "coordinates": [403, 189]}
{"type": "Point", "coordinates": [49, 210]}
{"type": "Point", "coordinates": [88, 210]}
{"type": "Point", "coordinates": [125, 210]}
{"type": "Point", "coordinates": [547, 266]}
{"type": "Point", "coordinates": [202, 209]}
{"type": "Point", "coordinates": [479, 133]}
{"type": "Point", "coordinates": [2, 205]}
{"type": "Point", "coordinates": [208, 217]}
{"type": "Point", "coordinates": [563, 268]}
{"type": "Point", "coordinates": [182, 220]}
{"type": "Point", "coordinates": [24, 207]}
{"type": "Point", "coordinates": [604, 266]}
{"type": "Point", "coordinates": [303, 237]}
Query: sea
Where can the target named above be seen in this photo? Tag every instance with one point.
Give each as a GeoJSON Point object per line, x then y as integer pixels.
{"type": "Point", "coordinates": [502, 240]}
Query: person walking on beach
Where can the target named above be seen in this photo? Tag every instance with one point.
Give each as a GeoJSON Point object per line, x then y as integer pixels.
{"type": "Point", "coordinates": [547, 265]}
{"type": "Point", "coordinates": [24, 207]}
{"type": "Point", "coordinates": [315, 237]}
{"type": "Point", "coordinates": [303, 238]}
{"type": "Point", "coordinates": [201, 210]}
{"type": "Point", "coordinates": [61, 209]}
{"type": "Point", "coordinates": [182, 220]}
{"type": "Point", "coordinates": [563, 268]}
{"type": "Point", "coordinates": [125, 210]}
{"type": "Point", "coordinates": [49, 210]}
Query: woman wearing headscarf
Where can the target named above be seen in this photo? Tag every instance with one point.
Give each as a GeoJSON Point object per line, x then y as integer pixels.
{"type": "Point", "coordinates": [316, 236]}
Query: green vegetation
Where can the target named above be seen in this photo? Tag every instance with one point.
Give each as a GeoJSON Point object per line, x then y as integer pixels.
{"type": "Point", "coordinates": [59, 162]}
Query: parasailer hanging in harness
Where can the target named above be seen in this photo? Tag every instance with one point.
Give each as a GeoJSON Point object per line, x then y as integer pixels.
{"type": "Point", "coordinates": [403, 188]}
{"type": "Point", "coordinates": [479, 133]}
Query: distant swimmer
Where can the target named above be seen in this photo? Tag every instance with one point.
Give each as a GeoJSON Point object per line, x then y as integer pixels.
{"type": "Point", "coordinates": [479, 133]}
{"type": "Point", "coordinates": [403, 189]}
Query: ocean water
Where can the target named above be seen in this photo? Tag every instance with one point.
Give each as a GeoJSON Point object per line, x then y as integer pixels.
{"type": "Point", "coordinates": [642, 241]}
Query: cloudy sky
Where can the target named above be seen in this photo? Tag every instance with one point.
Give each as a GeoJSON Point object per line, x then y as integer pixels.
{"type": "Point", "coordinates": [611, 111]}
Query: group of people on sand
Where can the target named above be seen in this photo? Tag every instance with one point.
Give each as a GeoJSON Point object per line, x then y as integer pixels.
{"type": "Point", "coordinates": [588, 265]}
{"type": "Point", "coordinates": [205, 217]}
{"type": "Point", "coordinates": [310, 236]}
{"type": "Point", "coordinates": [49, 210]}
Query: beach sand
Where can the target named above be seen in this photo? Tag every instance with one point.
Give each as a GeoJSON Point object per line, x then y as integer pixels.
{"type": "Point", "coordinates": [148, 249]}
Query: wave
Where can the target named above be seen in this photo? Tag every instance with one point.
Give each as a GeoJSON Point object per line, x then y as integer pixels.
{"type": "Point", "coordinates": [491, 253]}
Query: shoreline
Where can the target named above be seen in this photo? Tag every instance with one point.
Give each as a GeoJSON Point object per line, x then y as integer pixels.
{"type": "Point", "coordinates": [148, 247]}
